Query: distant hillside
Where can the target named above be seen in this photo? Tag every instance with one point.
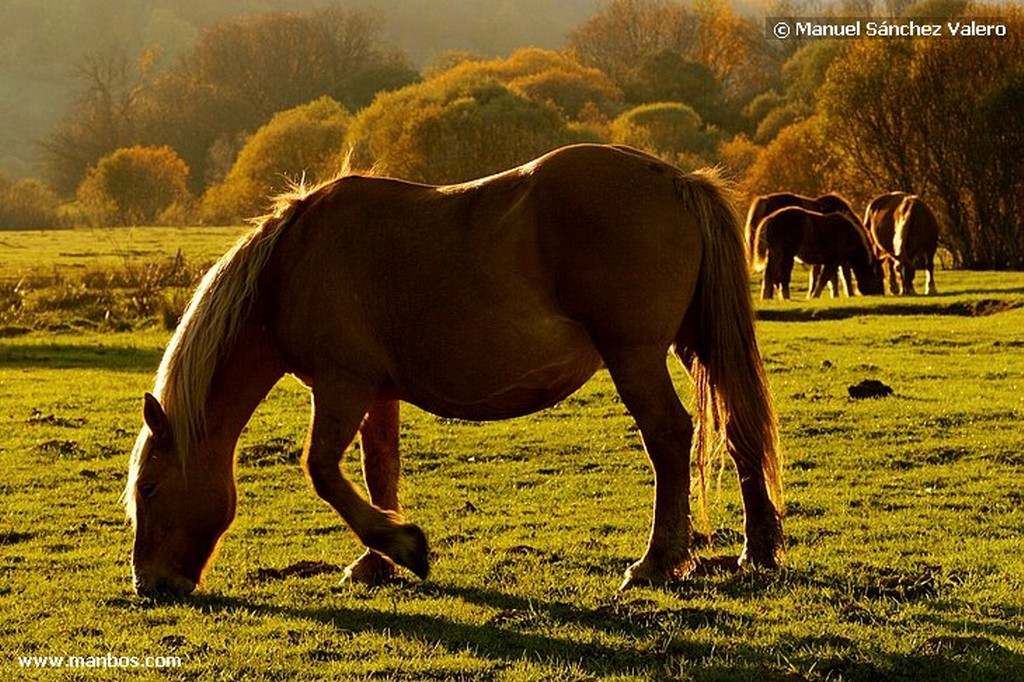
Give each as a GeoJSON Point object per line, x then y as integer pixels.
{"type": "Point", "coordinates": [43, 39]}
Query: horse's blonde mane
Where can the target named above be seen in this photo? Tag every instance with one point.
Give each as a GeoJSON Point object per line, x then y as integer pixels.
{"type": "Point", "coordinates": [209, 326]}
{"type": "Point", "coordinates": [211, 321]}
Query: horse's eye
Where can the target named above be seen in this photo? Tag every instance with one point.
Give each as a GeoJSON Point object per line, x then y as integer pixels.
{"type": "Point", "coordinates": [146, 490]}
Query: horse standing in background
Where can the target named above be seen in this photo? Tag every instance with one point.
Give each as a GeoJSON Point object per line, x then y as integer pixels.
{"type": "Point", "coordinates": [880, 222]}
{"type": "Point", "coordinates": [914, 243]}
{"type": "Point", "coordinates": [761, 207]}
{"type": "Point", "coordinates": [832, 241]}
{"type": "Point", "coordinates": [905, 234]}
{"type": "Point", "coordinates": [484, 300]}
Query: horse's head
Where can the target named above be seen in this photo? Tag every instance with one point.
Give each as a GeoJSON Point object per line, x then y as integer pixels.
{"type": "Point", "coordinates": [179, 512]}
{"type": "Point", "coordinates": [871, 281]}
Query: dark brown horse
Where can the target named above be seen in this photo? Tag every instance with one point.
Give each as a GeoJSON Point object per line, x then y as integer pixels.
{"type": "Point", "coordinates": [831, 240]}
{"type": "Point", "coordinates": [484, 300]}
{"type": "Point", "coordinates": [761, 207]}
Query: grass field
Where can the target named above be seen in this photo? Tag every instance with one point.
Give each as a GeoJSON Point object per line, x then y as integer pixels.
{"type": "Point", "coordinates": [904, 518]}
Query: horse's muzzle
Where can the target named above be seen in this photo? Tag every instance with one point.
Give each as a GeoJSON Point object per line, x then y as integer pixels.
{"type": "Point", "coordinates": [163, 586]}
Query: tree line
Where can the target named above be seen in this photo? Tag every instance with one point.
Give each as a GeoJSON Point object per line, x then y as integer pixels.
{"type": "Point", "coordinates": [284, 97]}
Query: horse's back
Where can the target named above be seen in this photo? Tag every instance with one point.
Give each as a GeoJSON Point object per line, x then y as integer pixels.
{"type": "Point", "coordinates": [916, 232]}
{"type": "Point", "coordinates": [488, 299]}
{"type": "Point", "coordinates": [784, 230]}
{"type": "Point", "coordinates": [879, 219]}
{"type": "Point", "coordinates": [813, 237]}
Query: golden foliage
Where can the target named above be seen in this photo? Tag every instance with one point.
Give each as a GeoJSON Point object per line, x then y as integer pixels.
{"type": "Point", "coordinates": [135, 186]}
{"type": "Point", "coordinates": [306, 142]}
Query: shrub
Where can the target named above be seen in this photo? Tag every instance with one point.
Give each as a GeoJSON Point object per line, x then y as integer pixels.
{"type": "Point", "coordinates": [671, 130]}
{"type": "Point", "coordinates": [134, 186]}
{"type": "Point", "coordinates": [457, 126]}
{"type": "Point", "coordinates": [27, 204]}
{"type": "Point", "coordinates": [303, 142]}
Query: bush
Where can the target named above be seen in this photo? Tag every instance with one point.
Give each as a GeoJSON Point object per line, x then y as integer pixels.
{"type": "Point", "coordinates": [457, 126]}
{"type": "Point", "coordinates": [27, 204]}
{"type": "Point", "coordinates": [304, 142]}
{"type": "Point", "coordinates": [135, 186]}
{"type": "Point", "coordinates": [671, 130]}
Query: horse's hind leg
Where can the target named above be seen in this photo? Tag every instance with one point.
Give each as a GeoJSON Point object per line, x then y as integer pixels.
{"type": "Point", "coordinates": [646, 389]}
{"type": "Point", "coordinates": [929, 277]}
{"type": "Point", "coordinates": [762, 526]}
{"type": "Point", "coordinates": [378, 438]}
{"type": "Point", "coordinates": [767, 288]}
{"type": "Point", "coordinates": [822, 275]}
{"type": "Point", "coordinates": [890, 272]}
{"type": "Point", "coordinates": [337, 415]}
{"type": "Point", "coordinates": [785, 275]}
{"type": "Point", "coordinates": [907, 272]}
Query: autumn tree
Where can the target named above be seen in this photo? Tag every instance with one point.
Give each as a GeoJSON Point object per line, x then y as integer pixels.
{"type": "Point", "coordinates": [797, 160]}
{"type": "Point", "coordinates": [651, 47]}
{"type": "Point", "coordinates": [669, 76]}
{"type": "Point", "coordinates": [625, 32]}
{"type": "Point", "coordinates": [801, 77]}
{"type": "Point", "coordinates": [303, 143]}
{"type": "Point", "coordinates": [548, 77]}
{"type": "Point", "coordinates": [134, 186]}
{"type": "Point", "coordinates": [101, 118]}
{"type": "Point", "coordinates": [942, 118]}
{"type": "Point", "coordinates": [238, 74]}
{"type": "Point", "coordinates": [243, 71]}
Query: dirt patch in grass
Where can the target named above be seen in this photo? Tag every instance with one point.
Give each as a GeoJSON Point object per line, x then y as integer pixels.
{"type": "Point", "coordinates": [974, 308]}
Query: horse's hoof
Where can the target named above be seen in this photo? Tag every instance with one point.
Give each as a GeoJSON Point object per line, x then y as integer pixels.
{"type": "Point", "coordinates": [765, 558]}
{"type": "Point", "coordinates": [645, 573]}
{"type": "Point", "coordinates": [409, 549]}
{"type": "Point", "coordinates": [370, 569]}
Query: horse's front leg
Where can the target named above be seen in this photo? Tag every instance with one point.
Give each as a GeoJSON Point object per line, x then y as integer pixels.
{"type": "Point", "coordinates": [812, 282]}
{"type": "Point", "coordinates": [785, 275]}
{"type": "Point", "coordinates": [378, 438]}
{"type": "Point", "coordinates": [822, 275]}
{"type": "Point", "coordinates": [929, 278]}
{"type": "Point", "coordinates": [338, 411]}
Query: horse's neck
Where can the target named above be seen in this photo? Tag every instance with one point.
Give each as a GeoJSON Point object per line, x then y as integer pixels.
{"type": "Point", "coordinates": [242, 380]}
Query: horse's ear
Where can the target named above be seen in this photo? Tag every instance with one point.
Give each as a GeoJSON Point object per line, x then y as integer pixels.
{"type": "Point", "coordinates": [156, 419]}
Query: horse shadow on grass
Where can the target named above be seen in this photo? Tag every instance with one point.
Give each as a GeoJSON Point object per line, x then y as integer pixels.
{"type": "Point", "coordinates": [634, 635]}
{"type": "Point", "coordinates": [514, 634]}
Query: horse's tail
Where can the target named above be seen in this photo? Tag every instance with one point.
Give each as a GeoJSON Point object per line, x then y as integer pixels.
{"type": "Point", "coordinates": [733, 402]}
{"type": "Point", "coordinates": [750, 231]}
{"type": "Point", "coordinates": [759, 249]}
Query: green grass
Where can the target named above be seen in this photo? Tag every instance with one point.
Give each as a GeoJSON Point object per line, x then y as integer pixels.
{"type": "Point", "coordinates": [79, 249]}
{"type": "Point", "coordinates": [904, 522]}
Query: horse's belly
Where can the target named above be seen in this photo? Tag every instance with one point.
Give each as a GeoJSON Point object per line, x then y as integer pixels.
{"type": "Point", "coordinates": [501, 376]}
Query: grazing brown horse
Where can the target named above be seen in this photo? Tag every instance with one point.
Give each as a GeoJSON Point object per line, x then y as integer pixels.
{"type": "Point", "coordinates": [761, 207]}
{"type": "Point", "coordinates": [831, 240]}
{"type": "Point", "coordinates": [880, 222]}
{"type": "Point", "coordinates": [914, 242]}
{"type": "Point", "coordinates": [484, 300]}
